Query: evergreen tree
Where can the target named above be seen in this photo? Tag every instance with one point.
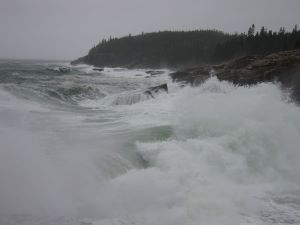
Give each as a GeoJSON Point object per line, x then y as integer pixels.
{"type": "Point", "coordinates": [251, 31]}
{"type": "Point", "coordinates": [201, 46]}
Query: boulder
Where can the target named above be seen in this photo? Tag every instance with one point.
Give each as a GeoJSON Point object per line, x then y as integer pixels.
{"type": "Point", "coordinates": [98, 69]}
{"type": "Point", "coordinates": [152, 91]}
{"type": "Point", "coordinates": [64, 69]}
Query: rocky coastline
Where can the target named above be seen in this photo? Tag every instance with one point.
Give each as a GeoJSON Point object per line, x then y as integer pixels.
{"type": "Point", "coordinates": [282, 67]}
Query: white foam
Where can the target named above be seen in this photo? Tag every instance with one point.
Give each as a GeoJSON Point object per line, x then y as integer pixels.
{"type": "Point", "coordinates": [232, 145]}
{"type": "Point", "coordinates": [231, 158]}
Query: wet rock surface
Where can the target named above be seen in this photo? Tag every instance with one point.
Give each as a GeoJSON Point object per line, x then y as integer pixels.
{"type": "Point", "coordinates": [282, 67]}
{"type": "Point", "coordinates": [152, 91]}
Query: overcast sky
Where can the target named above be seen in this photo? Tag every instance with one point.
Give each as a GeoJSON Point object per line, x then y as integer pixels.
{"type": "Point", "coordinates": [67, 29]}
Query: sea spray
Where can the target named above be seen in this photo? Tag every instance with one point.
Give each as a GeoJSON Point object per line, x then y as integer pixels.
{"type": "Point", "coordinates": [233, 148]}
{"type": "Point", "coordinates": [212, 154]}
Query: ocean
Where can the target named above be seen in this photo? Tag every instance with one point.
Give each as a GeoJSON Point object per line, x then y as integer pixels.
{"type": "Point", "coordinates": [79, 146]}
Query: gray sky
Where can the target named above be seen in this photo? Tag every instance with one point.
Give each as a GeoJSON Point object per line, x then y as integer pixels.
{"type": "Point", "coordinates": [67, 29]}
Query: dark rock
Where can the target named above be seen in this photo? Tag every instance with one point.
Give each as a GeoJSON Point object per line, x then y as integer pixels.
{"type": "Point", "coordinates": [98, 69]}
{"type": "Point", "coordinates": [151, 91]}
{"type": "Point", "coordinates": [193, 75]}
{"type": "Point", "coordinates": [283, 67]}
{"type": "Point", "coordinates": [162, 87]}
{"type": "Point", "coordinates": [181, 76]}
{"type": "Point", "coordinates": [64, 69]}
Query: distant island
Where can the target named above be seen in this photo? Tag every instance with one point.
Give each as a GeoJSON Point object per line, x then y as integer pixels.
{"type": "Point", "coordinates": [178, 49]}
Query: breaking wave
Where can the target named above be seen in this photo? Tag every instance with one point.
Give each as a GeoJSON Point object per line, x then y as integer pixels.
{"type": "Point", "coordinates": [213, 154]}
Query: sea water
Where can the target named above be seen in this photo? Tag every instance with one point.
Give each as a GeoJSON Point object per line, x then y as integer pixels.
{"type": "Point", "coordinates": [88, 147]}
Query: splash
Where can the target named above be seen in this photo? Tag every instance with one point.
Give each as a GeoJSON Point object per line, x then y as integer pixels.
{"type": "Point", "coordinates": [213, 154]}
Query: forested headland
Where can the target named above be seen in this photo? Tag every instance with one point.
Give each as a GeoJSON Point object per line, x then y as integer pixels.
{"type": "Point", "coordinates": [177, 48]}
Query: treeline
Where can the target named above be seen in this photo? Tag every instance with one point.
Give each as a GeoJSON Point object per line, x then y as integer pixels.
{"type": "Point", "coordinates": [157, 49]}
{"type": "Point", "coordinates": [260, 42]}
{"type": "Point", "coordinates": [173, 48]}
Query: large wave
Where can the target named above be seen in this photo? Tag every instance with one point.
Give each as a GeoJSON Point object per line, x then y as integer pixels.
{"type": "Point", "coordinates": [233, 157]}
{"type": "Point", "coordinates": [213, 154]}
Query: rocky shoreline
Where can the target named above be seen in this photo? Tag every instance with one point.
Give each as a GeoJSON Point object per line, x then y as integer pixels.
{"type": "Point", "coordinates": [282, 67]}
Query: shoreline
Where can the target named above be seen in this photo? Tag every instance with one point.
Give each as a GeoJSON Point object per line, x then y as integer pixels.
{"type": "Point", "coordinates": [282, 67]}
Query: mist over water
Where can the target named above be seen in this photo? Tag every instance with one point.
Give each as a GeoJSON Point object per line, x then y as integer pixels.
{"type": "Point", "coordinates": [90, 147]}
